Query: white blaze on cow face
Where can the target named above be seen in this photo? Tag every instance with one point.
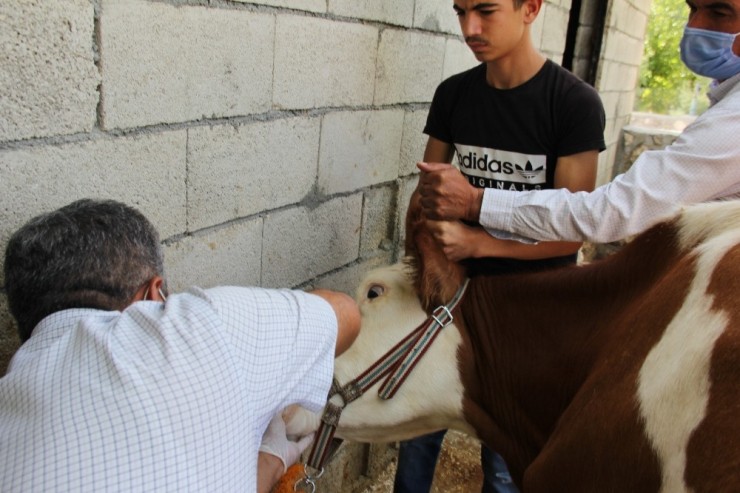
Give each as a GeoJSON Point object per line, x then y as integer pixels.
{"type": "Point", "coordinates": [674, 381]}
{"type": "Point", "coordinates": [431, 397]}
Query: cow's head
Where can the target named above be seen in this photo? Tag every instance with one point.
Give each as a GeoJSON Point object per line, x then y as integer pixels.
{"type": "Point", "coordinates": [394, 301]}
{"type": "Point", "coordinates": [430, 399]}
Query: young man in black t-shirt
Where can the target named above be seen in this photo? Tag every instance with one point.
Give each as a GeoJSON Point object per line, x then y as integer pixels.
{"type": "Point", "coordinates": [517, 122]}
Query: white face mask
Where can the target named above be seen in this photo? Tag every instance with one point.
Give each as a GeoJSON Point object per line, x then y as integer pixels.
{"type": "Point", "coordinates": [709, 53]}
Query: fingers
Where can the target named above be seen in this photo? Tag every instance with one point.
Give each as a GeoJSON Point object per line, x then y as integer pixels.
{"type": "Point", "coordinates": [431, 167]}
{"type": "Point", "coordinates": [277, 424]}
{"type": "Point", "coordinates": [440, 231]}
{"type": "Point", "coordinates": [444, 192]}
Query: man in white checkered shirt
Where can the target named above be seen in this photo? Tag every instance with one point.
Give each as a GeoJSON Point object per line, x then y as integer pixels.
{"type": "Point", "coordinates": [118, 387]}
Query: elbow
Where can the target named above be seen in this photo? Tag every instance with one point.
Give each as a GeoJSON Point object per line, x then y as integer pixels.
{"type": "Point", "coordinates": [348, 317]}
{"type": "Point", "coordinates": [348, 324]}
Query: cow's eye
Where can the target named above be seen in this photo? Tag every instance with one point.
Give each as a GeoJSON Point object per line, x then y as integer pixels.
{"type": "Point", "coordinates": [375, 291]}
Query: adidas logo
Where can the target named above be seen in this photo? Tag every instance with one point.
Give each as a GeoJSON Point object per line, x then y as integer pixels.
{"type": "Point", "coordinates": [528, 172]}
{"type": "Point", "coordinates": [498, 165]}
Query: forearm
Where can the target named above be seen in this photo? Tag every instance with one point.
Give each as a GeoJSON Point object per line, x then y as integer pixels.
{"type": "Point", "coordinates": [348, 317]}
{"type": "Point", "coordinates": [488, 246]}
{"type": "Point", "coordinates": [611, 212]}
{"type": "Point", "coordinates": [269, 470]}
{"type": "Point", "coordinates": [701, 165]}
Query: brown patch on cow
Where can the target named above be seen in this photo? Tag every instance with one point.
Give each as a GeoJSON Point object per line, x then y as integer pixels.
{"type": "Point", "coordinates": [438, 278]}
{"type": "Point", "coordinates": [550, 365]}
{"type": "Point", "coordinates": [551, 383]}
{"type": "Point", "coordinates": [713, 456]}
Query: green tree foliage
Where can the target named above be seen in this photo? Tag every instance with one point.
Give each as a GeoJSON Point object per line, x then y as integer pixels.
{"type": "Point", "coordinates": [666, 85]}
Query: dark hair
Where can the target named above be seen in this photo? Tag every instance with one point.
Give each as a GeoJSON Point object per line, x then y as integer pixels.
{"type": "Point", "coordinates": [88, 254]}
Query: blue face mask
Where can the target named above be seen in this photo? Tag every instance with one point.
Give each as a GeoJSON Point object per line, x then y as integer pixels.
{"type": "Point", "coordinates": [709, 53]}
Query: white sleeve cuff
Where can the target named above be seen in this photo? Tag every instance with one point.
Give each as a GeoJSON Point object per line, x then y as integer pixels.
{"type": "Point", "coordinates": [496, 211]}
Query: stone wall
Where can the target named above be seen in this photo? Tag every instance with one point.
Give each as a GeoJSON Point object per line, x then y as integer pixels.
{"type": "Point", "coordinates": [617, 75]}
{"type": "Point", "coordinates": [272, 142]}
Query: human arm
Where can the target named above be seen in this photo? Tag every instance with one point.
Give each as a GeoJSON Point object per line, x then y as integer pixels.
{"type": "Point", "coordinates": [701, 165]}
{"type": "Point", "coordinates": [459, 241]}
{"type": "Point", "coordinates": [442, 186]}
{"type": "Point", "coordinates": [348, 317]}
{"type": "Point", "coordinates": [277, 452]}
{"type": "Point", "coordinates": [284, 341]}
{"type": "Point", "coordinates": [269, 471]}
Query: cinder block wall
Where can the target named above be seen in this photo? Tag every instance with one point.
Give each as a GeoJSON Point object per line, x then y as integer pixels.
{"type": "Point", "coordinates": [619, 67]}
{"type": "Point", "coordinates": [272, 142]}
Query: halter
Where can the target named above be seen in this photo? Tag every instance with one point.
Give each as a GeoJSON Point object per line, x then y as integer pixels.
{"type": "Point", "coordinates": [396, 365]}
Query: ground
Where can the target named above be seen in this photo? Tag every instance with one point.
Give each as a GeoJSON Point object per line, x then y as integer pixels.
{"type": "Point", "coordinates": [458, 469]}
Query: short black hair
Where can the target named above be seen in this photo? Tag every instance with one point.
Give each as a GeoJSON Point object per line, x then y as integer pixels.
{"type": "Point", "coordinates": [88, 254]}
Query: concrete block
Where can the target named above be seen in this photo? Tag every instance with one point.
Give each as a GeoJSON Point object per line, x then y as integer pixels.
{"type": "Point", "coordinates": [378, 220]}
{"type": "Point", "coordinates": [164, 63]}
{"type": "Point", "coordinates": [628, 19]}
{"type": "Point", "coordinates": [301, 243]}
{"type": "Point", "coordinates": [307, 5]}
{"type": "Point", "coordinates": [9, 342]}
{"type": "Point", "coordinates": [554, 29]}
{"type": "Point", "coordinates": [436, 15]}
{"type": "Point", "coordinates": [643, 5]}
{"type": "Point", "coordinates": [606, 172]}
{"type": "Point", "coordinates": [610, 100]}
{"type": "Point", "coordinates": [409, 66]}
{"type": "Point", "coordinates": [398, 12]}
{"type": "Point", "coordinates": [625, 106]}
{"type": "Point", "coordinates": [48, 79]}
{"type": "Point", "coordinates": [622, 48]}
{"type": "Point", "coordinates": [617, 77]}
{"type": "Point", "coordinates": [359, 149]}
{"type": "Point", "coordinates": [537, 28]}
{"type": "Point", "coordinates": [227, 256]}
{"type": "Point", "coordinates": [238, 171]}
{"type": "Point", "coordinates": [413, 141]}
{"type": "Point", "coordinates": [611, 130]}
{"type": "Point", "coordinates": [316, 66]}
{"type": "Point", "coordinates": [458, 58]}
{"type": "Point", "coordinates": [146, 172]}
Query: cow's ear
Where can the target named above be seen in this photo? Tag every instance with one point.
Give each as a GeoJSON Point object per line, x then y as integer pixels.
{"type": "Point", "coordinates": [437, 277]}
{"type": "Point", "coordinates": [414, 221]}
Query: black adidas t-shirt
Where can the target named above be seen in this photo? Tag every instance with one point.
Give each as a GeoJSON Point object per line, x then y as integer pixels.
{"type": "Point", "coordinates": [511, 139]}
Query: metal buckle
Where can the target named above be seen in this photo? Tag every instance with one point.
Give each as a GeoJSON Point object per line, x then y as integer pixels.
{"type": "Point", "coordinates": [442, 310]}
{"type": "Point", "coordinates": [331, 415]}
{"type": "Point", "coordinates": [309, 480]}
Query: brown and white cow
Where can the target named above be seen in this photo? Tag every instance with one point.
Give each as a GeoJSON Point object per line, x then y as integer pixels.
{"type": "Point", "coordinates": [620, 376]}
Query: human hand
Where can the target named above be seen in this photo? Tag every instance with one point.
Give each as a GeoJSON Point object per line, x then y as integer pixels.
{"type": "Point", "coordinates": [456, 239]}
{"type": "Point", "coordinates": [445, 193]}
{"type": "Point", "coordinates": [276, 442]}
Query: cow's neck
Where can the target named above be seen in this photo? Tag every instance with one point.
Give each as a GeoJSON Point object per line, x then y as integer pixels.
{"type": "Point", "coordinates": [526, 362]}
{"type": "Point", "coordinates": [533, 339]}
